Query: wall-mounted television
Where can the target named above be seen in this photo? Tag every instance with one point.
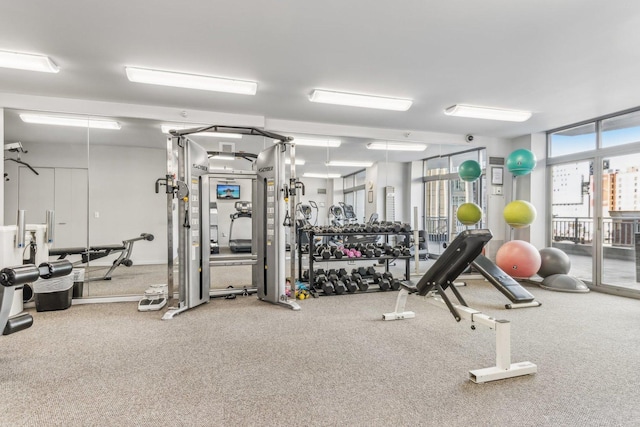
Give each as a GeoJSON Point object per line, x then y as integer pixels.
{"type": "Point", "coordinates": [228, 191]}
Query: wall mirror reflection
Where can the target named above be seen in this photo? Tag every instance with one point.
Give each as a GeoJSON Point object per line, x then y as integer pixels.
{"type": "Point", "coordinates": [111, 224]}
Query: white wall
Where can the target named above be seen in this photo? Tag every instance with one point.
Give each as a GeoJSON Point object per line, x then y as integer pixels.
{"type": "Point", "coordinates": [62, 155]}
{"type": "Point", "coordinates": [121, 192]}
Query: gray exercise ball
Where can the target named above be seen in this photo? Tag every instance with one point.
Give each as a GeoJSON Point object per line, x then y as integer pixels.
{"type": "Point", "coordinates": [554, 261]}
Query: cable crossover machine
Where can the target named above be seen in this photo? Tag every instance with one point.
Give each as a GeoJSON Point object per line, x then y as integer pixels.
{"type": "Point", "coordinates": [188, 193]}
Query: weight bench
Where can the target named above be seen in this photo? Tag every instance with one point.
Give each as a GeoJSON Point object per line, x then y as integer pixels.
{"type": "Point", "coordinates": [97, 252]}
{"type": "Point", "coordinates": [506, 284]}
{"type": "Point", "coordinates": [464, 249]}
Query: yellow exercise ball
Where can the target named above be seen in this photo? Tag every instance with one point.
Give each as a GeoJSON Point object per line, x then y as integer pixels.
{"type": "Point", "coordinates": [469, 213]}
{"type": "Point", "coordinates": [519, 214]}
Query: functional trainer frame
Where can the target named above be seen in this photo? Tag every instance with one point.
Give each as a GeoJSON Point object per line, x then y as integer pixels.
{"type": "Point", "coordinates": [464, 249]}
{"type": "Point", "coordinates": [188, 179]}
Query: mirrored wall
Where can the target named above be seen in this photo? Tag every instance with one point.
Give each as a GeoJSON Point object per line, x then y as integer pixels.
{"type": "Point", "coordinates": [109, 220]}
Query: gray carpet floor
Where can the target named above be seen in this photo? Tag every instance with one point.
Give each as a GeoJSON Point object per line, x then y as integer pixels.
{"type": "Point", "coordinates": [243, 362]}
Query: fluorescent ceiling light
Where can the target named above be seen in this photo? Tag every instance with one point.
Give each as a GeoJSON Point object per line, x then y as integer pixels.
{"type": "Point", "coordinates": [191, 81]}
{"type": "Point", "coordinates": [321, 175]}
{"type": "Point", "coordinates": [77, 121]}
{"type": "Point", "coordinates": [396, 146]}
{"type": "Point", "coordinates": [299, 162]}
{"type": "Point", "coordinates": [349, 163]}
{"type": "Point", "coordinates": [309, 142]}
{"type": "Point", "coordinates": [166, 128]}
{"type": "Point", "coordinates": [489, 113]}
{"type": "Point", "coordinates": [27, 61]}
{"type": "Point", "coordinates": [223, 157]}
{"type": "Point", "coordinates": [357, 100]}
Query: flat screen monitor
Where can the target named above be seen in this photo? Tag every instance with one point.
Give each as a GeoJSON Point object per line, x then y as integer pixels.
{"type": "Point", "coordinates": [228, 191]}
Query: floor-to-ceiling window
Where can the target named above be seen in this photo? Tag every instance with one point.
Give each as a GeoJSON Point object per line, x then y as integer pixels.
{"type": "Point", "coordinates": [594, 171]}
{"type": "Point", "coordinates": [444, 191]}
{"type": "Point", "coordinates": [353, 190]}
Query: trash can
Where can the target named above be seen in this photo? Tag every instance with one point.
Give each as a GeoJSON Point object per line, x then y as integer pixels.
{"type": "Point", "coordinates": [53, 294]}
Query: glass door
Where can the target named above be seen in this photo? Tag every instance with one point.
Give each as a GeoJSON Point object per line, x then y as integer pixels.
{"type": "Point", "coordinates": [620, 221]}
{"type": "Point", "coordinates": [572, 211]}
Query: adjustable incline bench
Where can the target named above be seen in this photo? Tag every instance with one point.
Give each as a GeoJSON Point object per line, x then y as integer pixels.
{"type": "Point", "coordinates": [506, 284]}
{"type": "Point", "coordinates": [452, 262]}
{"type": "Point", "coordinates": [97, 252]}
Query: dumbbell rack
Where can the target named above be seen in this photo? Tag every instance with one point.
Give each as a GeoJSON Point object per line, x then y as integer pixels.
{"type": "Point", "coordinates": [313, 258]}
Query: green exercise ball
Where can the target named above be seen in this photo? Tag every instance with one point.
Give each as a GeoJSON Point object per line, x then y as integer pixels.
{"type": "Point", "coordinates": [519, 214]}
{"type": "Point", "coordinates": [469, 213]}
{"type": "Point", "coordinates": [521, 162]}
{"type": "Point", "coordinates": [469, 170]}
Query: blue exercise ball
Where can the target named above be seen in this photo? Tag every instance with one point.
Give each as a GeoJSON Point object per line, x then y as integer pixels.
{"type": "Point", "coordinates": [521, 162]}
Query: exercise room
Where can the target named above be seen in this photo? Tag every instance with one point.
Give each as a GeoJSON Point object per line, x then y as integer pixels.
{"type": "Point", "coordinates": [319, 214]}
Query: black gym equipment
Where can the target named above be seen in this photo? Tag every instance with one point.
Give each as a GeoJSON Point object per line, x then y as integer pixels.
{"type": "Point", "coordinates": [518, 295]}
{"type": "Point", "coordinates": [243, 210]}
{"type": "Point", "coordinates": [97, 252]}
{"type": "Point", "coordinates": [13, 278]}
{"type": "Point", "coordinates": [464, 249]}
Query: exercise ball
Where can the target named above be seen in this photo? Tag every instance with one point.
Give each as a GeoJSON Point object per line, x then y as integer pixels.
{"type": "Point", "coordinates": [519, 214]}
{"type": "Point", "coordinates": [469, 213]}
{"type": "Point", "coordinates": [553, 261]}
{"type": "Point", "coordinates": [521, 162]}
{"type": "Point", "coordinates": [469, 170]}
{"type": "Point", "coordinates": [564, 283]}
{"type": "Point", "coordinates": [518, 258]}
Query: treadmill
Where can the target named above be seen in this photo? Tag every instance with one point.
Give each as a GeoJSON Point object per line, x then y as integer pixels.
{"type": "Point", "coordinates": [243, 210]}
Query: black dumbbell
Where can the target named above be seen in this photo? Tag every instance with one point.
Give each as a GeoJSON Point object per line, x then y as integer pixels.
{"type": "Point", "coordinates": [324, 252]}
{"type": "Point", "coordinates": [395, 283]}
{"type": "Point", "coordinates": [346, 279]}
{"type": "Point", "coordinates": [338, 286]}
{"type": "Point", "coordinates": [383, 283]}
{"type": "Point", "coordinates": [323, 283]}
{"type": "Point", "coordinates": [360, 282]}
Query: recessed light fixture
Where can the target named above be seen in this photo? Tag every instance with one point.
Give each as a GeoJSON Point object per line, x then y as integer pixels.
{"type": "Point", "coordinates": [191, 81]}
{"type": "Point", "coordinates": [167, 127]}
{"type": "Point", "coordinates": [321, 175]}
{"type": "Point", "coordinates": [299, 162]}
{"type": "Point", "coordinates": [358, 100]}
{"type": "Point", "coordinates": [27, 61]}
{"type": "Point", "coordinates": [396, 146]}
{"type": "Point", "coordinates": [77, 121]}
{"type": "Point", "coordinates": [315, 142]}
{"type": "Point", "coordinates": [349, 163]}
{"type": "Point", "coordinates": [489, 113]}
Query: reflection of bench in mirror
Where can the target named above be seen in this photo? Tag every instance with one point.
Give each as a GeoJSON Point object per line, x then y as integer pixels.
{"type": "Point", "coordinates": [97, 252]}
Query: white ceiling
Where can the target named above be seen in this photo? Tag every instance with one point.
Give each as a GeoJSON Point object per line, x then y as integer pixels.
{"type": "Point", "coordinates": [566, 61]}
